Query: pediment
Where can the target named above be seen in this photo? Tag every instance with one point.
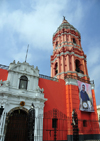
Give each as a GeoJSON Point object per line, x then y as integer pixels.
{"type": "Point", "coordinates": [23, 68]}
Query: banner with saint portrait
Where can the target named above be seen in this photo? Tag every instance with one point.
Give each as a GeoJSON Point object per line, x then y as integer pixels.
{"type": "Point", "coordinates": [85, 95]}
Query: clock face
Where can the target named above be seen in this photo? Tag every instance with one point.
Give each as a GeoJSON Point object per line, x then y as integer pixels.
{"type": "Point", "coordinates": [85, 105]}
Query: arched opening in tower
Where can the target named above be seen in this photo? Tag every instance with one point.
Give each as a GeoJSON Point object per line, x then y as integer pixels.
{"type": "Point", "coordinates": [74, 41]}
{"type": "Point", "coordinates": [56, 43]}
{"type": "Point", "coordinates": [56, 68]}
{"type": "Point", "coordinates": [78, 66]}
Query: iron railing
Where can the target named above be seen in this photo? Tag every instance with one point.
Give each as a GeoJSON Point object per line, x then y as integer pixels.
{"type": "Point", "coordinates": [79, 78]}
{"type": "Point", "coordinates": [4, 67]}
{"type": "Point", "coordinates": [78, 70]}
{"type": "Point", "coordinates": [56, 126]}
{"type": "Point", "coordinates": [48, 77]}
{"type": "Point", "coordinates": [53, 78]}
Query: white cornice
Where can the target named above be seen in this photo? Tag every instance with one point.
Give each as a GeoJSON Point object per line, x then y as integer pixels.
{"type": "Point", "coordinates": [66, 45]}
{"type": "Point", "coordinates": [69, 81]}
{"type": "Point", "coordinates": [35, 97]}
{"type": "Point", "coordinates": [23, 68]}
{"type": "Point", "coordinates": [68, 53]}
{"type": "Point", "coordinates": [79, 74]}
{"type": "Point", "coordinates": [36, 94]}
{"type": "Point", "coordinates": [66, 34]}
{"type": "Point", "coordinates": [24, 73]}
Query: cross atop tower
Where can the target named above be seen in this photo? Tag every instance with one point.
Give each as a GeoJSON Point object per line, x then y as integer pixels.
{"type": "Point", "coordinates": [63, 18]}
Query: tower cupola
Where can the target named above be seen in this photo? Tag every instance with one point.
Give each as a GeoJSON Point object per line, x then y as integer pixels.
{"type": "Point", "coordinates": [68, 56]}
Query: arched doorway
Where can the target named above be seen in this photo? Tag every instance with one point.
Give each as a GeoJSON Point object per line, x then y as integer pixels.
{"type": "Point", "coordinates": [17, 126]}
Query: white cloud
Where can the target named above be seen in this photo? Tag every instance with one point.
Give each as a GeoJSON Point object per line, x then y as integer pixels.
{"type": "Point", "coordinates": [34, 23]}
{"type": "Point", "coordinates": [93, 54]}
{"type": "Point", "coordinates": [94, 66]}
{"type": "Point", "coordinates": [37, 26]}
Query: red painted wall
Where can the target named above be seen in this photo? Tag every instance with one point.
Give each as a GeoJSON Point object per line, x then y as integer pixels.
{"type": "Point", "coordinates": [3, 74]}
{"type": "Point", "coordinates": [55, 93]}
{"type": "Point", "coordinates": [65, 98]}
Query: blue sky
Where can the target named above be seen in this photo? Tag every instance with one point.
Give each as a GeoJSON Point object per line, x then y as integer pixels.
{"type": "Point", "coordinates": [33, 22]}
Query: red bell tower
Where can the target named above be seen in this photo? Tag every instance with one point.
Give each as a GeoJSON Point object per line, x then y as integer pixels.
{"type": "Point", "coordinates": [68, 56]}
{"type": "Point", "coordinates": [68, 62]}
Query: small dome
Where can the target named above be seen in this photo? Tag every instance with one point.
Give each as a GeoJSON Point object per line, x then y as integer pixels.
{"type": "Point", "coordinates": [66, 25]}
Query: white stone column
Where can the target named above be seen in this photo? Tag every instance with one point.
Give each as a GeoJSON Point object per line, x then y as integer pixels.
{"type": "Point", "coordinates": [38, 131]}
{"type": "Point", "coordinates": [36, 124]}
{"type": "Point", "coordinates": [41, 123]}
{"type": "Point", "coordinates": [2, 126]}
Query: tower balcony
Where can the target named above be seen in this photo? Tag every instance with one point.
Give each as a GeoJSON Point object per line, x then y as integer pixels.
{"type": "Point", "coordinates": [68, 76]}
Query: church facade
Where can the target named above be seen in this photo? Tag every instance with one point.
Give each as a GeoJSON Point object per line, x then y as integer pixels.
{"type": "Point", "coordinates": [57, 108]}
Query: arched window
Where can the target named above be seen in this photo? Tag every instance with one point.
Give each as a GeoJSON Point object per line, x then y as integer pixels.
{"type": "Point", "coordinates": [77, 63]}
{"type": "Point", "coordinates": [78, 66]}
{"type": "Point", "coordinates": [56, 68]}
{"type": "Point", "coordinates": [74, 41]}
{"type": "Point", "coordinates": [57, 43]}
{"type": "Point", "coordinates": [23, 82]}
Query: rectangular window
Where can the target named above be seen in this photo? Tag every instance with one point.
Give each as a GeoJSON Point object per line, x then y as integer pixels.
{"type": "Point", "coordinates": [84, 123]}
{"type": "Point", "coordinates": [54, 122]}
